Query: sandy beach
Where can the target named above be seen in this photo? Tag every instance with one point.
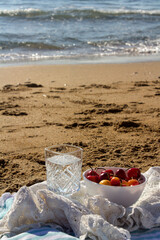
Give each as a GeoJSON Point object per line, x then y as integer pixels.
{"type": "Point", "coordinates": [111, 110]}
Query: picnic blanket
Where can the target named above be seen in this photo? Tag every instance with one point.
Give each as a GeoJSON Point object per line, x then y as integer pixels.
{"type": "Point", "coordinates": [36, 213]}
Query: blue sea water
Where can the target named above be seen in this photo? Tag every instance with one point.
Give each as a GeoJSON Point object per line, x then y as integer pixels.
{"type": "Point", "coordinates": [79, 30]}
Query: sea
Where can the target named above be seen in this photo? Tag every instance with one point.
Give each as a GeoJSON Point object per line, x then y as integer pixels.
{"type": "Point", "coordinates": [79, 31]}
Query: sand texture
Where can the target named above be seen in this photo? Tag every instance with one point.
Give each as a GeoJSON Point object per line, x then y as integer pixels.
{"type": "Point", "coordinates": [111, 110]}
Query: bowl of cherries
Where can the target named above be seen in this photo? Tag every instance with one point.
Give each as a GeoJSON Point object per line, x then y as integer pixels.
{"type": "Point", "coordinates": [119, 185]}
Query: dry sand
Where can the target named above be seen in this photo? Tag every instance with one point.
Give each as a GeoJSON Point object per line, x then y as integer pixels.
{"type": "Point", "coordinates": [111, 110]}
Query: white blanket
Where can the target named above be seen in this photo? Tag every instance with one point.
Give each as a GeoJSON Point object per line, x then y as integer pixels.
{"type": "Point", "coordinates": [88, 217]}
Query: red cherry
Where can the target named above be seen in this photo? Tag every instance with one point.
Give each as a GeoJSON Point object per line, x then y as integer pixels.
{"type": "Point", "coordinates": [93, 178]}
{"type": "Point", "coordinates": [108, 171]}
{"type": "Point", "coordinates": [134, 173]}
{"type": "Point", "coordinates": [115, 181]}
{"type": "Point", "coordinates": [127, 178]}
{"type": "Point", "coordinates": [104, 176]}
{"type": "Point", "coordinates": [111, 177]}
{"type": "Point", "coordinates": [92, 173]}
{"type": "Point", "coordinates": [120, 173]}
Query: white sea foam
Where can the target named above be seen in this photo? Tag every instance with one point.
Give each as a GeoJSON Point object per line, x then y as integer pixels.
{"type": "Point", "coordinates": [20, 12]}
{"type": "Point", "coordinates": [36, 11]}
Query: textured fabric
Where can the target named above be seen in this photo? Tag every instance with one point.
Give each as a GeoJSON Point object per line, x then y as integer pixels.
{"type": "Point", "coordinates": [87, 216]}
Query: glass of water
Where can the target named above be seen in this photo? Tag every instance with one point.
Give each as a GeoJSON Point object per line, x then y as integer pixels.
{"type": "Point", "coordinates": [63, 167]}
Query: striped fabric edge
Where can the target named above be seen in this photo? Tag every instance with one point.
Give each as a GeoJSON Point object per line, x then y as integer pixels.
{"type": "Point", "coordinates": [5, 204]}
{"type": "Point", "coordinates": [45, 233]}
{"type": "Point", "coordinates": [151, 234]}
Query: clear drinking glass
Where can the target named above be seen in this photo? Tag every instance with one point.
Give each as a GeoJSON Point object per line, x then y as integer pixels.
{"type": "Point", "coordinates": [63, 166]}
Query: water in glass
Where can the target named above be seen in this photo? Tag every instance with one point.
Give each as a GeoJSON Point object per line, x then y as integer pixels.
{"type": "Point", "coordinates": [63, 173]}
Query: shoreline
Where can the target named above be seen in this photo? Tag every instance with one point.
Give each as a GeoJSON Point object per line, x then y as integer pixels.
{"type": "Point", "coordinates": [75, 74]}
{"type": "Point", "coordinates": [110, 110]}
{"type": "Point", "coordinates": [94, 60]}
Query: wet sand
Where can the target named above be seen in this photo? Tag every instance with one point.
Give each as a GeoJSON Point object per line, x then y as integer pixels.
{"type": "Point", "coordinates": [111, 110]}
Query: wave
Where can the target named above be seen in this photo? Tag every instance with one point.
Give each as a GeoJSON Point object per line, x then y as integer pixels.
{"type": "Point", "coordinates": [125, 44]}
{"type": "Point", "coordinates": [28, 12]}
{"type": "Point", "coordinates": [75, 13]}
{"type": "Point", "coordinates": [31, 50]}
{"type": "Point", "coordinates": [29, 45]}
{"type": "Point", "coordinates": [27, 56]}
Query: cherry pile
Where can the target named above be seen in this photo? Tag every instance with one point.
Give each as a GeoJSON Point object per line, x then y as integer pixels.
{"type": "Point", "coordinates": [121, 177]}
